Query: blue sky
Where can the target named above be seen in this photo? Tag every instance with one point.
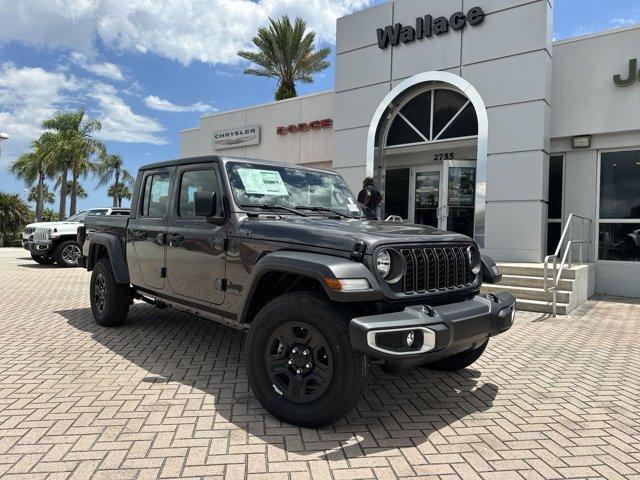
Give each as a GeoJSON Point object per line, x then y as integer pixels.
{"type": "Point", "coordinates": [147, 74]}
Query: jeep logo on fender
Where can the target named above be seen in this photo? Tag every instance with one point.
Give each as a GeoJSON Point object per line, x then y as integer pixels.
{"type": "Point", "coordinates": [305, 127]}
{"type": "Point", "coordinates": [427, 26]}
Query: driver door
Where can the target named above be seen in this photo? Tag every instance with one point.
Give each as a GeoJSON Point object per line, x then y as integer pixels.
{"type": "Point", "coordinates": [196, 249]}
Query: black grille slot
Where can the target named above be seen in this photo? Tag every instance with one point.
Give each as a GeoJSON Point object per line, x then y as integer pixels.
{"type": "Point", "coordinates": [441, 270]}
{"type": "Point", "coordinates": [421, 270]}
{"type": "Point", "coordinates": [434, 269]}
{"type": "Point", "coordinates": [409, 274]}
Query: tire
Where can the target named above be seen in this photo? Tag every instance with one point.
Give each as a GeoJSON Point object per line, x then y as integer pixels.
{"type": "Point", "coordinates": [458, 361]}
{"type": "Point", "coordinates": [304, 328]}
{"type": "Point", "coordinates": [42, 260]}
{"type": "Point", "coordinates": [109, 300]}
{"type": "Point", "coordinates": [66, 253]}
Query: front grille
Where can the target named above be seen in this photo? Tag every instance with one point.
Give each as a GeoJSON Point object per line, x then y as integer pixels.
{"type": "Point", "coordinates": [40, 234]}
{"type": "Point", "coordinates": [29, 230]}
{"type": "Point", "coordinates": [434, 269]}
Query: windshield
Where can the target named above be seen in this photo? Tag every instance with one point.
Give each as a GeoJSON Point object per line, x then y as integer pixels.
{"type": "Point", "coordinates": [254, 184]}
{"type": "Point", "coordinates": [81, 216]}
{"type": "Point", "coordinates": [78, 217]}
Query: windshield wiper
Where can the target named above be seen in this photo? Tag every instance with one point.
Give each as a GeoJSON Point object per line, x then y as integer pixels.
{"type": "Point", "coordinates": [323, 209]}
{"type": "Point", "coordinates": [266, 206]}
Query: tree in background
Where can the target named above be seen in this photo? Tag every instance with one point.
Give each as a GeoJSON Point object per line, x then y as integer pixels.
{"type": "Point", "coordinates": [285, 52]}
{"type": "Point", "coordinates": [80, 191]}
{"type": "Point", "coordinates": [111, 167]}
{"type": "Point", "coordinates": [71, 145]}
{"type": "Point", "coordinates": [120, 192]}
{"type": "Point", "coordinates": [49, 215]}
{"type": "Point", "coordinates": [47, 197]}
{"type": "Point", "coordinates": [33, 167]}
{"type": "Point", "coordinates": [14, 214]}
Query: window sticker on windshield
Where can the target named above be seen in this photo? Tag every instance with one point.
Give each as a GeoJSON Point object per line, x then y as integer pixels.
{"type": "Point", "coordinates": [262, 182]}
{"type": "Point", "coordinates": [352, 207]}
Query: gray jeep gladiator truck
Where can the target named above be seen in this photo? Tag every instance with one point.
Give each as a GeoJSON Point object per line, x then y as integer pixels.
{"type": "Point", "coordinates": [285, 252]}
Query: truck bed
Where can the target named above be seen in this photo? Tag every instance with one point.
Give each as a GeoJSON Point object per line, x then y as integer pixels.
{"type": "Point", "coordinates": [113, 224]}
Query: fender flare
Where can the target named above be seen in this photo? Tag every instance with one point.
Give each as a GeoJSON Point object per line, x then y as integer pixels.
{"type": "Point", "coordinates": [115, 251]}
{"type": "Point", "coordinates": [318, 267]}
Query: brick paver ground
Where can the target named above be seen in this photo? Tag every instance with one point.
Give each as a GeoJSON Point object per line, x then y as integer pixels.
{"type": "Point", "coordinates": [166, 396]}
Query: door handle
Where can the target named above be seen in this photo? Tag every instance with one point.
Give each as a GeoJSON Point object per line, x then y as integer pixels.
{"type": "Point", "coordinates": [174, 240]}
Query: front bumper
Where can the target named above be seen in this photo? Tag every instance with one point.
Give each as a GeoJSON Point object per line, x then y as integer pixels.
{"type": "Point", "coordinates": [43, 249]}
{"type": "Point", "coordinates": [438, 332]}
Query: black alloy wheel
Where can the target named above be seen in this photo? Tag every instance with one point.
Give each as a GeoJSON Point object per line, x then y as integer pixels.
{"type": "Point", "coordinates": [299, 362]}
{"type": "Point", "coordinates": [100, 293]}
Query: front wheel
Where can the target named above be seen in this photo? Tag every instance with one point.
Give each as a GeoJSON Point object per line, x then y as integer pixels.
{"type": "Point", "coordinates": [300, 363]}
{"type": "Point", "coordinates": [67, 253]}
{"type": "Point", "coordinates": [42, 260]}
{"type": "Point", "coordinates": [459, 360]}
{"type": "Point", "coordinates": [109, 300]}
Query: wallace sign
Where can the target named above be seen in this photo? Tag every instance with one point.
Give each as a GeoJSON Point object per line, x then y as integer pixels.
{"type": "Point", "coordinates": [428, 26]}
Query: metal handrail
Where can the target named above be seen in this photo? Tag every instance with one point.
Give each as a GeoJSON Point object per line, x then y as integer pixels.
{"type": "Point", "coordinates": [567, 254]}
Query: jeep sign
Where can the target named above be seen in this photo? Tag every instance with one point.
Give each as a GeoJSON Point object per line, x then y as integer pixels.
{"type": "Point", "coordinates": [428, 26]}
{"type": "Point", "coordinates": [236, 137]}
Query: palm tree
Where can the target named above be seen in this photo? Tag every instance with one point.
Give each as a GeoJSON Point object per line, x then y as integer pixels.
{"type": "Point", "coordinates": [80, 191]}
{"type": "Point", "coordinates": [49, 215]}
{"type": "Point", "coordinates": [285, 52]}
{"type": "Point", "coordinates": [14, 213]}
{"type": "Point", "coordinates": [112, 167]}
{"type": "Point", "coordinates": [121, 191]}
{"type": "Point", "coordinates": [47, 197]}
{"type": "Point", "coordinates": [32, 167]}
{"type": "Point", "coordinates": [71, 145]}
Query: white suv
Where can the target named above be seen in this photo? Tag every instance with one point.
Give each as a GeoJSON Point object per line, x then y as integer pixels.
{"type": "Point", "coordinates": [51, 242]}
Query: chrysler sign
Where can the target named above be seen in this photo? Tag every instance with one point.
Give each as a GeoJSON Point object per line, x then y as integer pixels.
{"type": "Point", "coordinates": [236, 137]}
{"type": "Point", "coordinates": [427, 26]}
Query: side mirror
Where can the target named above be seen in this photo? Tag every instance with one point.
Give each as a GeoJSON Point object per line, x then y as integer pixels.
{"type": "Point", "coordinates": [206, 205]}
{"type": "Point", "coordinates": [490, 271]}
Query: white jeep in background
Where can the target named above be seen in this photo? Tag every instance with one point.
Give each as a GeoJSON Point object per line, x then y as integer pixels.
{"type": "Point", "coordinates": [51, 242]}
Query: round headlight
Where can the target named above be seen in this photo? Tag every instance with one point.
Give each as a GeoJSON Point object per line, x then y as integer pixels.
{"type": "Point", "coordinates": [383, 263]}
{"type": "Point", "coordinates": [475, 261]}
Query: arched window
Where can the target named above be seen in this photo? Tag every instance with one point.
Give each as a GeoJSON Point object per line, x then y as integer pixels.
{"type": "Point", "coordinates": [434, 115]}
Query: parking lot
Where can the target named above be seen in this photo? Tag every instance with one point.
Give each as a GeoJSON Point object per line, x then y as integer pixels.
{"type": "Point", "coordinates": [166, 396]}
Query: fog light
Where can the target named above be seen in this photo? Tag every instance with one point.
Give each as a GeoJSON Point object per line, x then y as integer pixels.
{"type": "Point", "coordinates": [411, 337]}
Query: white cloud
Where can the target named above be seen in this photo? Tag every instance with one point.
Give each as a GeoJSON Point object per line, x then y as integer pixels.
{"type": "Point", "coordinates": [157, 103]}
{"type": "Point", "coordinates": [182, 30]}
{"type": "Point", "coordinates": [107, 70]}
{"type": "Point", "coordinates": [621, 22]}
{"type": "Point", "coordinates": [30, 95]}
{"type": "Point", "coordinates": [27, 97]}
{"type": "Point", "coordinates": [120, 123]}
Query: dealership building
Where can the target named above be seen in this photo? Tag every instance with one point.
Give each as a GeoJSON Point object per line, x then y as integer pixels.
{"type": "Point", "coordinates": [472, 119]}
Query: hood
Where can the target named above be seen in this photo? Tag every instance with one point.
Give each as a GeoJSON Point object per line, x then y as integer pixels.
{"type": "Point", "coordinates": [40, 224]}
{"type": "Point", "coordinates": [54, 224]}
{"type": "Point", "coordinates": [342, 234]}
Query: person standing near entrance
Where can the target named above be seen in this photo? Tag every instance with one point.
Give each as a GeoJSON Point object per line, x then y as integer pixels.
{"type": "Point", "coordinates": [370, 198]}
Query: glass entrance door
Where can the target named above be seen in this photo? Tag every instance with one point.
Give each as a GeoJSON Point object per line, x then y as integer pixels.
{"type": "Point", "coordinates": [461, 197]}
{"type": "Point", "coordinates": [426, 198]}
{"type": "Point", "coordinates": [443, 196]}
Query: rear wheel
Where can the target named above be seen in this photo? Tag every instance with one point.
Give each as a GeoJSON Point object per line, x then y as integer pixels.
{"type": "Point", "coordinates": [459, 360]}
{"type": "Point", "coordinates": [109, 300]}
{"type": "Point", "coordinates": [67, 253]}
{"type": "Point", "coordinates": [42, 260]}
{"type": "Point", "coordinates": [300, 363]}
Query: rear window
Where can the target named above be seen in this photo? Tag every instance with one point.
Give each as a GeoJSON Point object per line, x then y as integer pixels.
{"type": "Point", "coordinates": [155, 195]}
